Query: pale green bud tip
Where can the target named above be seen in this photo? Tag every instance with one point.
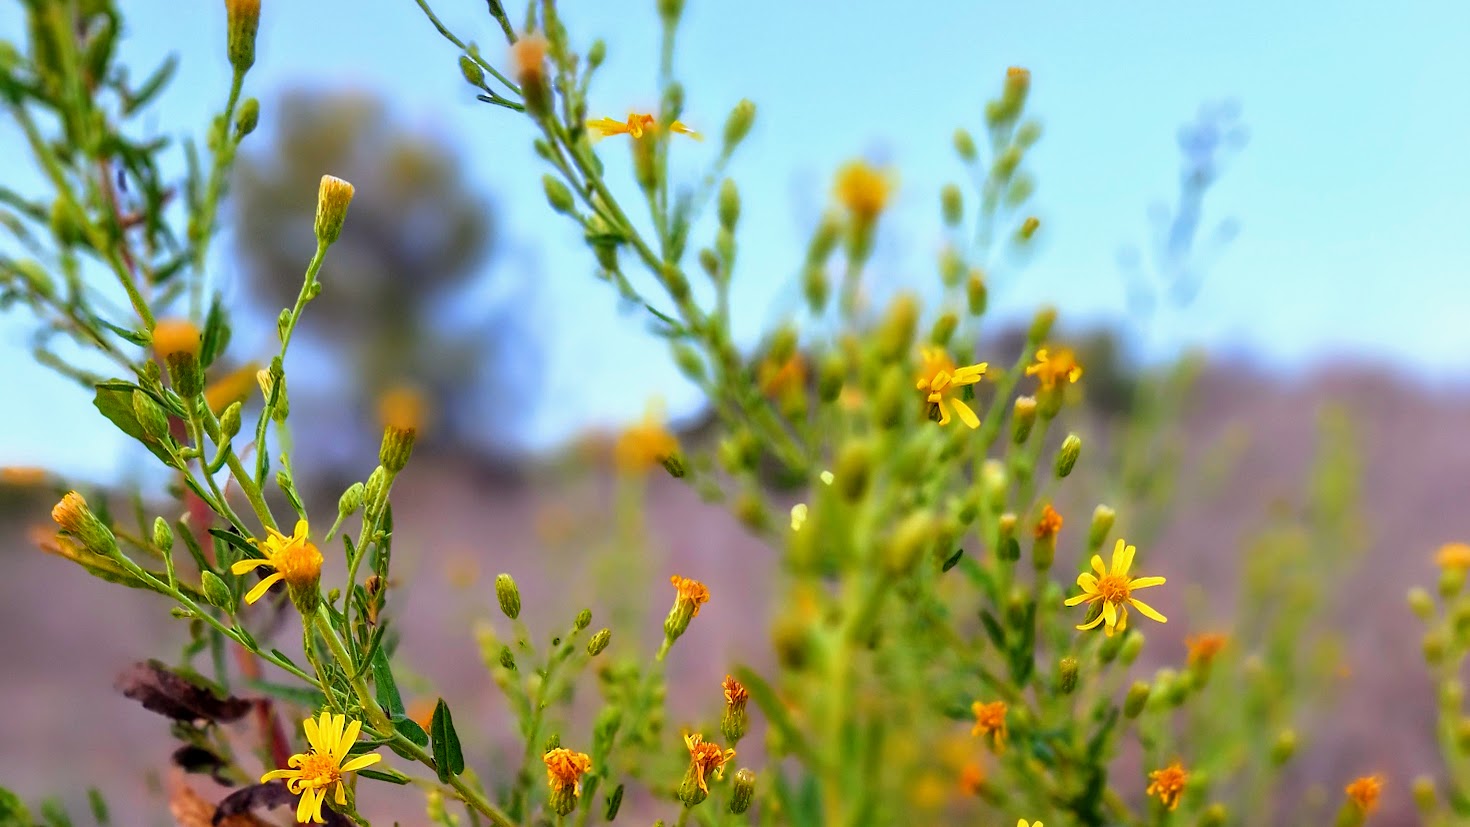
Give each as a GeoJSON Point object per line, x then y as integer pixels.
{"type": "Point", "coordinates": [247, 118]}
{"type": "Point", "coordinates": [952, 204]}
{"type": "Point", "coordinates": [1023, 417]}
{"type": "Point", "coordinates": [557, 194]}
{"type": "Point", "coordinates": [333, 198]}
{"type": "Point", "coordinates": [1102, 524]}
{"type": "Point", "coordinates": [737, 126]}
{"type": "Point", "coordinates": [163, 536]}
{"type": "Point", "coordinates": [729, 206]}
{"type": "Point", "coordinates": [243, 18]}
{"type": "Point", "coordinates": [1215, 816]}
{"type": "Point", "coordinates": [964, 144]}
{"type": "Point", "coordinates": [743, 791]}
{"type": "Point", "coordinates": [1137, 696]}
{"type": "Point", "coordinates": [215, 590]}
{"type": "Point", "coordinates": [509, 595]}
{"type": "Point", "coordinates": [397, 447]}
{"type": "Point", "coordinates": [912, 537]}
{"type": "Point", "coordinates": [1067, 455]}
{"type": "Point", "coordinates": [598, 644]}
{"type": "Point", "coordinates": [1067, 670]}
{"type": "Point", "coordinates": [1132, 647]}
{"type": "Point", "coordinates": [1421, 604]}
{"type": "Point", "coordinates": [584, 619]}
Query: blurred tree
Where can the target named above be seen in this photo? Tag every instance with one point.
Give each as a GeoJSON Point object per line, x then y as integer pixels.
{"type": "Point", "coordinates": [398, 308]}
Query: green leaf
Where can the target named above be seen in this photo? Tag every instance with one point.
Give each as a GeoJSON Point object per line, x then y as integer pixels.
{"type": "Point", "coordinates": [12, 811]}
{"type": "Point", "coordinates": [411, 730]}
{"type": "Point", "coordinates": [152, 86]}
{"type": "Point", "coordinates": [246, 550]}
{"type": "Point", "coordinates": [386, 691]}
{"type": "Point", "coordinates": [116, 403]}
{"type": "Point", "coordinates": [448, 757]}
{"type": "Point", "coordinates": [301, 696]}
{"type": "Point", "coordinates": [993, 629]}
{"type": "Point", "coordinates": [954, 560]}
{"type": "Point", "coordinates": [390, 775]}
{"type": "Point", "coordinates": [216, 334]}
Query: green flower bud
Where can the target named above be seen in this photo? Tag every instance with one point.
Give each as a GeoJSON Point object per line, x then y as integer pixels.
{"type": "Point", "coordinates": [1424, 795]}
{"type": "Point", "coordinates": [690, 363]}
{"type": "Point", "coordinates": [1215, 816]}
{"type": "Point", "coordinates": [1451, 580]}
{"type": "Point", "coordinates": [1284, 747]}
{"type": "Point", "coordinates": [215, 591]}
{"type": "Point", "coordinates": [177, 343]}
{"type": "Point", "coordinates": [816, 287]}
{"type": "Point", "coordinates": [595, 56]}
{"type": "Point", "coordinates": [737, 126]}
{"type": "Point", "coordinates": [952, 204]}
{"type": "Point", "coordinates": [243, 19]}
{"type": "Point", "coordinates": [1041, 325]}
{"type": "Point", "coordinates": [944, 328]}
{"type": "Point", "coordinates": [375, 494]}
{"type": "Point", "coordinates": [854, 470]}
{"type": "Point", "coordinates": [584, 617]}
{"type": "Point", "coordinates": [473, 74]}
{"type": "Point", "coordinates": [964, 144]}
{"type": "Point", "coordinates": [1434, 648]}
{"type": "Point", "coordinates": [674, 464]}
{"type": "Point", "coordinates": [742, 791]}
{"type": "Point", "coordinates": [351, 500]}
{"type": "Point", "coordinates": [150, 415]}
{"type": "Point", "coordinates": [830, 377]}
{"type": "Point", "coordinates": [914, 535]}
{"type": "Point", "coordinates": [599, 642]}
{"type": "Point", "coordinates": [1007, 548]}
{"type": "Point", "coordinates": [896, 335]}
{"type": "Point", "coordinates": [1132, 646]}
{"type": "Point", "coordinates": [951, 267]}
{"type": "Point", "coordinates": [163, 536]}
{"type": "Point", "coordinates": [558, 196]}
{"type": "Point", "coordinates": [1067, 455]}
{"type": "Point", "coordinates": [397, 447]}
{"type": "Point", "coordinates": [1023, 417]}
{"type": "Point", "coordinates": [1102, 524]}
{"type": "Point", "coordinates": [729, 205]}
{"type": "Point", "coordinates": [1421, 604]}
{"type": "Point", "coordinates": [977, 295]}
{"type": "Point", "coordinates": [1138, 695]}
{"type": "Point", "coordinates": [1067, 669]}
{"type": "Point", "coordinates": [509, 596]}
{"type": "Point", "coordinates": [247, 118]}
{"type": "Point", "coordinates": [507, 659]}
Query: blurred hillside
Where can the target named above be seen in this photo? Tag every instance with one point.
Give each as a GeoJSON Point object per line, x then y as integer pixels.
{"type": "Point", "coordinates": [1246, 461]}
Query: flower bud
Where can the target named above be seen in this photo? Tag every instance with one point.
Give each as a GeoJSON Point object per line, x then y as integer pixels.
{"type": "Point", "coordinates": [397, 447]}
{"type": "Point", "coordinates": [509, 595]}
{"type": "Point", "coordinates": [215, 590]}
{"type": "Point", "coordinates": [1284, 747]}
{"type": "Point", "coordinates": [1132, 645]}
{"type": "Point", "coordinates": [689, 595]}
{"type": "Point", "coordinates": [473, 74]}
{"type": "Point", "coordinates": [735, 720]}
{"type": "Point", "coordinates": [976, 294]}
{"type": "Point", "coordinates": [1029, 227]}
{"type": "Point", "coordinates": [944, 328]}
{"type": "Point", "coordinates": [729, 205]}
{"type": "Point", "coordinates": [1023, 417]}
{"type": "Point", "coordinates": [1067, 669]}
{"type": "Point", "coordinates": [528, 56]}
{"type": "Point", "coordinates": [507, 659]}
{"type": "Point", "coordinates": [333, 197]}
{"type": "Point", "coordinates": [1006, 546]}
{"type": "Point", "coordinates": [582, 621]}
{"type": "Point", "coordinates": [737, 126]}
{"type": "Point", "coordinates": [1451, 580]}
{"type": "Point", "coordinates": [163, 536]}
{"type": "Point", "coordinates": [908, 542]}
{"type": "Point", "coordinates": [952, 205]}
{"type": "Point", "coordinates": [557, 195]}
{"type": "Point", "coordinates": [815, 286]}
{"type": "Point", "coordinates": [1041, 325]}
{"type": "Point", "coordinates": [854, 469]}
{"type": "Point", "coordinates": [176, 341]}
{"type": "Point", "coordinates": [1424, 795]}
{"type": "Point", "coordinates": [599, 642]}
{"type": "Point", "coordinates": [896, 334]}
{"type": "Point", "coordinates": [150, 415]}
{"type": "Point", "coordinates": [351, 500]}
{"type": "Point", "coordinates": [951, 267]}
{"type": "Point", "coordinates": [1067, 455]}
{"type": "Point", "coordinates": [375, 493]}
{"type": "Point", "coordinates": [1102, 525]}
{"type": "Point", "coordinates": [1215, 816]}
{"type": "Point", "coordinates": [742, 791]}
{"type": "Point", "coordinates": [1433, 648]}
{"type": "Point", "coordinates": [690, 793]}
{"type": "Point", "coordinates": [77, 519]}
{"type": "Point", "coordinates": [243, 18]}
{"type": "Point", "coordinates": [964, 144]}
{"type": "Point", "coordinates": [831, 377]}
{"type": "Point", "coordinates": [247, 118]}
{"type": "Point", "coordinates": [1138, 695]}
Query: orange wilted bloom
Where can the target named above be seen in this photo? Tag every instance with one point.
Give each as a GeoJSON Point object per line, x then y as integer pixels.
{"type": "Point", "coordinates": [990, 719]}
{"type": "Point", "coordinates": [1453, 556]}
{"type": "Point", "coordinates": [972, 778]}
{"type": "Point", "coordinates": [1203, 648]}
{"type": "Point", "coordinates": [1055, 366]}
{"type": "Point", "coordinates": [938, 377]}
{"type": "Point", "coordinates": [637, 124]}
{"type": "Point", "coordinates": [564, 771]}
{"type": "Point", "coordinates": [1049, 524]}
{"type": "Point", "coordinates": [1168, 784]}
{"type": "Point", "coordinates": [690, 595]}
{"type": "Point", "coordinates": [1114, 590]}
{"type": "Point", "coordinates": [706, 759]}
{"type": "Point", "coordinates": [1363, 792]}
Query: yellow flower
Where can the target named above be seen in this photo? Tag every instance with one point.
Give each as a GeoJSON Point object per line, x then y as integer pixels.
{"type": "Point", "coordinates": [1363, 792]}
{"type": "Point", "coordinates": [938, 377]}
{"type": "Point", "coordinates": [642, 446]}
{"type": "Point", "coordinates": [972, 778]}
{"type": "Point", "coordinates": [1168, 784]}
{"type": "Point", "coordinates": [1204, 648]}
{"type": "Point", "coordinates": [1114, 590]}
{"type": "Point", "coordinates": [863, 190]}
{"type": "Point", "coordinates": [1453, 556]}
{"type": "Point", "coordinates": [636, 125]}
{"type": "Point", "coordinates": [706, 759]}
{"type": "Point", "coordinates": [1055, 366]}
{"type": "Point", "coordinates": [565, 768]}
{"type": "Point", "coordinates": [1049, 523]}
{"type": "Point", "coordinates": [295, 560]}
{"type": "Point", "coordinates": [313, 772]}
{"type": "Point", "coordinates": [990, 719]}
{"type": "Point", "coordinates": [1024, 823]}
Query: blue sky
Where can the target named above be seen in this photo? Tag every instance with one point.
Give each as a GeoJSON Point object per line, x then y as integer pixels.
{"type": "Point", "coordinates": [1350, 194]}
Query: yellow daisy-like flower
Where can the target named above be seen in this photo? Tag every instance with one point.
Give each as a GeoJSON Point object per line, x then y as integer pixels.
{"type": "Point", "coordinates": [637, 125]}
{"type": "Point", "coordinates": [706, 758]}
{"type": "Point", "coordinates": [295, 560]}
{"type": "Point", "coordinates": [1024, 823]}
{"type": "Point", "coordinates": [938, 377]}
{"type": "Point", "coordinates": [863, 190]}
{"type": "Point", "coordinates": [990, 719]}
{"type": "Point", "coordinates": [1113, 589]}
{"type": "Point", "coordinates": [1168, 784]}
{"type": "Point", "coordinates": [314, 772]}
{"type": "Point", "coordinates": [1055, 366]}
{"type": "Point", "coordinates": [1363, 792]}
{"type": "Point", "coordinates": [1453, 556]}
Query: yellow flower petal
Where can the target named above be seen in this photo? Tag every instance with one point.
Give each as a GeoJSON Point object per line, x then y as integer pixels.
{"type": "Point", "coordinates": [1145, 582]}
{"type": "Point", "coordinates": [1110, 614]}
{"type": "Point", "coordinates": [1122, 557]}
{"type": "Point", "coordinates": [1088, 581]}
{"type": "Point", "coordinates": [262, 587]}
{"type": "Point", "coordinates": [967, 416]}
{"type": "Point", "coordinates": [274, 774]}
{"type": "Point", "coordinates": [243, 566]}
{"type": "Point", "coordinates": [1148, 611]}
{"type": "Point", "coordinates": [341, 793]}
{"type": "Point", "coordinates": [360, 761]}
{"type": "Point", "coordinates": [1097, 565]}
{"type": "Point", "coordinates": [1091, 624]}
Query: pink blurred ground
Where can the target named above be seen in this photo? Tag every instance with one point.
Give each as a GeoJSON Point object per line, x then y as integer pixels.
{"type": "Point", "coordinates": [64, 728]}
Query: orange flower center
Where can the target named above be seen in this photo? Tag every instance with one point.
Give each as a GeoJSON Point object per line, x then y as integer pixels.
{"type": "Point", "coordinates": [299, 563]}
{"type": "Point", "coordinates": [1114, 588]}
{"type": "Point", "coordinates": [991, 716]}
{"type": "Point", "coordinates": [319, 770]}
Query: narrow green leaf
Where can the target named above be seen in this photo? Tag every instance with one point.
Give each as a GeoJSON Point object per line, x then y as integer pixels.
{"type": "Point", "coordinates": [954, 560]}
{"type": "Point", "coordinates": [388, 774]}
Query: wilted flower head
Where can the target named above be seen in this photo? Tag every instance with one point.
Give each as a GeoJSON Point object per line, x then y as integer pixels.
{"type": "Point", "coordinates": [1364, 792]}
{"type": "Point", "coordinates": [1203, 648]}
{"type": "Point", "coordinates": [1168, 784]}
{"type": "Point", "coordinates": [706, 759]}
{"type": "Point", "coordinates": [1049, 523]}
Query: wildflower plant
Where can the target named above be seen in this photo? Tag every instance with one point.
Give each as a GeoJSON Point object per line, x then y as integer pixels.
{"type": "Point", "coordinates": [927, 635]}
